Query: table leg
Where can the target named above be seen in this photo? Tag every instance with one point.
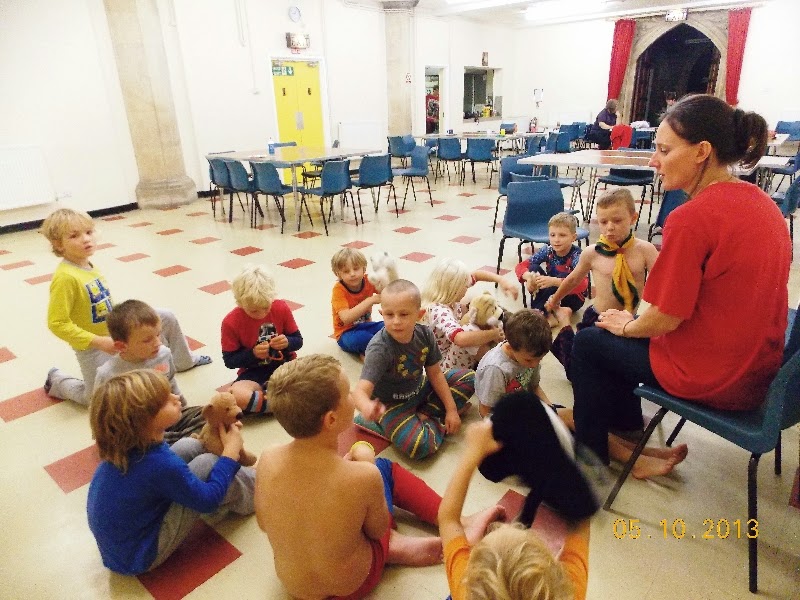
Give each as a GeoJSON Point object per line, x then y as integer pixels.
{"type": "Point", "coordinates": [296, 197]}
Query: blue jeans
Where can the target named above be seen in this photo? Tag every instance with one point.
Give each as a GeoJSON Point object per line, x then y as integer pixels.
{"type": "Point", "coordinates": [355, 339]}
{"type": "Point", "coordinates": [605, 370]}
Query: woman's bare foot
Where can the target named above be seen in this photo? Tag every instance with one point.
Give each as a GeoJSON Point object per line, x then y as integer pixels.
{"type": "Point", "coordinates": [475, 525]}
{"type": "Point", "coordinates": [414, 551]}
{"type": "Point", "coordinates": [649, 466]}
{"type": "Point", "coordinates": [676, 454]}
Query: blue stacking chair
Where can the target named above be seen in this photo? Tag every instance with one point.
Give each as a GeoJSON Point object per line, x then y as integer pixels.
{"type": "Point", "coordinates": [219, 178]}
{"type": "Point", "coordinates": [400, 147]}
{"type": "Point", "coordinates": [418, 168]}
{"type": "Point", "coordinates": [450, 151]}
{"type": "Point", "coordinates": [334, 181]}
{"type": "Point", "coordinates": [268, 182]}
{"type": "Point", "coordinates": [790, 127]}
{"type": "Point", "coordinates": [508, 166]}
{"type": "Point", "coordinates": [757, 431]}
{"type": "Point", "coordinates": [376, 172]}
{"type": "Point", "coordinates": [672, 199]}
{"type": "Point", "coordinates": [533, 144]}
{"type": "Point", "coordinates": [626, 177]}
{"type": "Point", "coordinates": [563, 142]}
{"type": "Point", "coordinates": [479, 150]}
{"type": "Point", "coordinates": [315, 168]}
{"type": "Point", "coordinates": [793, 165]}
{"type": "Point", "coordinates": [787, 201]}
{"type": "Point", "coordinates": [240, 181]}
{"type": "Point", "coordinates": [644, 137]}
{"type": "Point", "coordinates": [552, 142]}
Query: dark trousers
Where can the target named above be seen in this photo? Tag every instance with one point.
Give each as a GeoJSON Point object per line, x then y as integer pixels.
{"type": "Point", "coordinates": [605, 370]}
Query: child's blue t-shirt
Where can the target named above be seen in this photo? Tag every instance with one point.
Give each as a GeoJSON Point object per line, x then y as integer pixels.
{"type": "Point", "coordinates": [555, 265]}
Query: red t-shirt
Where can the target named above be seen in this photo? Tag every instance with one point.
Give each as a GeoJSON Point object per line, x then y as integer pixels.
{"type": "Point", "coordinates": [724, 269]}
{"type": "Point", "coordinates": [240, 331]}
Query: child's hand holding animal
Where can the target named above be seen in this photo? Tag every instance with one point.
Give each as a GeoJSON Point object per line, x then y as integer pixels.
{"type": "Point", "coordinates": [232, 442]}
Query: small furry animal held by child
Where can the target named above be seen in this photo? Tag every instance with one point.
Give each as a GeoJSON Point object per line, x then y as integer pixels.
{"type": "Point", "coordinates": [221, 409]}
{"type": "Point", "coordinates": [384, 270]}
{"type": "Point", "coordinates": [484, 312]}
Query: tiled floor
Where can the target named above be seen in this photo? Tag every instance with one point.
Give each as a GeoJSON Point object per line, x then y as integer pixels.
{"type": "Point", "coordinates": [186, 264]}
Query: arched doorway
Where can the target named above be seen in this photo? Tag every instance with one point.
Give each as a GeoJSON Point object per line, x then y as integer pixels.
{"type": "Point", "coordinates": [683, 60]}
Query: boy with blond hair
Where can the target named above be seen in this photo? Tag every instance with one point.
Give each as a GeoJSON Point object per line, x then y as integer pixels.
{"type": "Point", "coordinates": [352, 299]}
{"type": "Point", "coordinates": [80, 302]}
{"type": "Point", "coordinates": [327, 549]}
{"type": "Point", "coordinates": [258, 336]}
{"type": "Point", "coordinates": [510, 562]}
{"type": "Point", "coordinates": [553, 262]}
{"type": "Point", "coordinates": [403, 394]}
{"type": "Point", "coordinates": [135, 328]}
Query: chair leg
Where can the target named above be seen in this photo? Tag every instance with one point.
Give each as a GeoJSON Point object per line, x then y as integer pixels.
{"type": "Point", "coordinates": [393, 192]}
{"type": "Point", "coordinates": [676, 431]}
{"type": "Point", "coordinates": [230, 208]}
{"type": "Point", "coordinates": [281, 211]}
{"type": "Point", "coordinates": [405, 195]}
{"type": "Point", "coordinates": [752, 517]}
{"type": "Point", "coordinates": [778, 455]}
{"type": "Point", "coordinates": [353, 202]}
{"type": "Point", "coordinates": [322, 212]}
{"type": "Point", "coordinates": [500, 254]}
{"type": "Point", "coordinates": [634, 456]}
{"type": "Point", "coordinates": [496, 210]}
{"type": "Point", "coordinates": [430, 195]}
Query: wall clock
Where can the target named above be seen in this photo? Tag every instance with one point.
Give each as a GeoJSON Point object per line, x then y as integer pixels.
{"type": "Point", "coordinates": [294, 13]}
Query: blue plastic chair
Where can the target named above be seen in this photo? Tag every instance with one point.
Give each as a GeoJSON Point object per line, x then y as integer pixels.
{"type": "Point", "coordinates": [789, 170]}
{"type": "Point", "coordinates": [314, 170]}
{"type": "Point", "coordinates": [623, 178]}
{"type": "Point", "coordinates": [479, 150]}
{"type": "Point", "coordinates": [268, 182]}
{"type": "Point", "coordinates": [450, 152]}
{"type": "Point", "coordinates": [552, 142]}
{"type": "Point", "coordinates": [219, 178]}
{"type": "Point", "coordinates": [757, 431]}
{"type": "Point", "coordinates": [400, 147]}
{"type": "Point", "coordinates": [529, 208]}
{"type": "Point", "coordinates": [418, 168]}
{"type": "Point", "coordinates": [533, 144]}
{"type": "Point", "coordinates": [376, 172]}
{"type": "Point", "coordinates": [508, 166]}
{"type": "Point", "coordinates": [240, 182]}
{"type": "Point", "coordinates": [672, 199]}
{"type": "Point", "coordinates": [645, 137]}
{"type": "Point", "coordinates": [790, 127]}
{"type": "Point", "coordinates": [787, 201]}
{"type": "Point", "coordinates": [334, 181]}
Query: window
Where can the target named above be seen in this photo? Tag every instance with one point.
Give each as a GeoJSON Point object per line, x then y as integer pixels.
{"type": "Point", "coordinates": [480, 100]}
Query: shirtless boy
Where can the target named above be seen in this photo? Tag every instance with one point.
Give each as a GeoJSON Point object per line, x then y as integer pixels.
{"type": "Point", "coordinates": [328, 519]}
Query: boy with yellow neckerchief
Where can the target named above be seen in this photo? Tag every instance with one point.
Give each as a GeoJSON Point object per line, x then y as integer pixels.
{"type": "Point", "coordinates": [618, 262]}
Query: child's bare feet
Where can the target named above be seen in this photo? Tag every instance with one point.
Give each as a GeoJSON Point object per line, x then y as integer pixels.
{"type": "Point", "coordinates": [563, 316]}
{"type": "Point", "coordinates": [649, 466]}
{"type": "Point", "coordinates": [414, 551]}
{"type": "Point", "coordinates": [676, 454]}
{"type": "Point", "coordinates": [475, 525]}
{"type": "Point", "coordinates": [552, 320]}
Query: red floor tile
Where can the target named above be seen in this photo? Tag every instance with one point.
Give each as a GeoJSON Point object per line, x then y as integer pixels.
{"type": "Point", "coordinates": [305, 235]}
{"type": "Point", "coordinates": [205, 240]}
{"type": "Point", "coordinates": [417, 257]}
{"type": "Point", "coordinates": [216, 288]}
{"type": "Point", "coordinates": [407, 230]}
{"type": "Point", "coordinates": [2, 252]}
{"type": "Point", "coordinates": [482, 207]}
{"type": "Point", "coordinates": [193, 343]}
{"type": "Point", "coordinates": [196, 214]}
{"type": "Point", "coordinates": [465, 239]}
{"type": "Point", "coordinates": [550, 527]}
{"type": "Point", "coordinates": [169, 231]}
{"type": "Point", "coordinates": [265, 226]}
{"type": "Point", "coordinates": [168, 208]}
{"type": "Point", "coordinates": [16, 265]}
{"type": "Point", "coordinates": [246, 251]}
{"type": "Point", "coordinates": [142, 224]}
{"type": "Point", "coordinates": [170, 271]}
{"type": "Point", "coordinates": [26, 404]}
{"type": "Point", "coordinates": [203, 554]}
{"type": "Point", "coordinates": [437, 201]}
{"type": "Point", "coordinates": [132, 257]}
{"type": "Point", "coordinates": [296, 263]}
{"type": "Point", "coordinates": [113, 218]}
{"type": "Point", "coordinates": [491, 269]}
{"type": "Point", "coordinates": [400, 211]}
{"type": "Point", "coordinates": [466, 194]}
{"type": "Point", "coordinates": [354, 433]}
{"type": "Point", "coordinates": [6, 355]}
{"type": "Point", "coordinates": [76, 470]}
{"type": "Point", "coordinates": [104, 246]}
{"type": "Point", "coordinates": [293, 305]}
{"type": "Point", "coordinates": [448, 218]}
{"type": "Point", "coordinates": [358, 244]}
{"type": "Point", "coordinates": [39, 279]}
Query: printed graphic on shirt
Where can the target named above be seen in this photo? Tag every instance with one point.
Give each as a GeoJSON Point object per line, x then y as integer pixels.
{"type": "Point", "coordinates": [410, 366]}
{"type": "Point", "coordinates": [161, 368]}
{"type": "Point", "coordinates": [100, 300]}
{"type": "Point", "coordinates": [520, 382]}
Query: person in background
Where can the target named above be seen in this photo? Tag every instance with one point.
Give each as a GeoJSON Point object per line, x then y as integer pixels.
{"type": "Point", "coordinates": [600, 132]}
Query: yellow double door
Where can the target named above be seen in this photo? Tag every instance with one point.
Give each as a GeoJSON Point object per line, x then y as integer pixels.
{"type": "Point", "coordinates": [298, 102]}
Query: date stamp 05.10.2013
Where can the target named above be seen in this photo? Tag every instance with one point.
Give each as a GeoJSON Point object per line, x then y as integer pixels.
{"type": "Point", "coordinates": [677, 529]}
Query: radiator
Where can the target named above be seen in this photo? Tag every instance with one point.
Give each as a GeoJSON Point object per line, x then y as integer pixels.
{"type": "Point", "coordinates": [362, 135]}
{"type": "Point", "coordinates": [24, 177]}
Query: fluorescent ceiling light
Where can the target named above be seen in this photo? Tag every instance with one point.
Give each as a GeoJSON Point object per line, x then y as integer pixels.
{"type": "Point", "coordinates": [555, 9]}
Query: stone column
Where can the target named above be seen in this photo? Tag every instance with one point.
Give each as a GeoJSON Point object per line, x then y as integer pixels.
{"type": "Point", "coordinates": [143, 73]}
{"type": "Point", "coordinates": [398, 64]}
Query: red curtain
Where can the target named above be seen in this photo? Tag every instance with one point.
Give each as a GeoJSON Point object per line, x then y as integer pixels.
{"type": "Point", "coordinates": [738, 23]}
{"type": "Point", "coordinates": [620, 52]}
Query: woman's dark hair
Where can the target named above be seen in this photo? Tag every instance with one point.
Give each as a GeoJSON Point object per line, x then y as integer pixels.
{"type": "Point", "coordinates": [735, 135]}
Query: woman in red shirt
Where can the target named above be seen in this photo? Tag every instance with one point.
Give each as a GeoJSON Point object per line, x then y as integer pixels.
{"type": "Point", "coordinates": [713, 332]}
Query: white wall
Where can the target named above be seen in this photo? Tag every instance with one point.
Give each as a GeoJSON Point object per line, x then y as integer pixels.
{"type": "Point", "coordinates": [61, 92]}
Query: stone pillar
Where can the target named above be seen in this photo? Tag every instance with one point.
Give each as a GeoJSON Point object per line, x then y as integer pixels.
{"type": "Point", "coordinates": [144, 76]}
{"type": "Point", "coordinates": [399, 47]}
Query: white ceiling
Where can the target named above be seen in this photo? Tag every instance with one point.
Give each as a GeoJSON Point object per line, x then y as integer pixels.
{"type": "Point", "coordinates": [512, 12]}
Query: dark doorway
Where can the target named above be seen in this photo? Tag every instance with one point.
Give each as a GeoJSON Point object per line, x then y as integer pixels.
{"type": "Point", "coordinates": [681, 61]}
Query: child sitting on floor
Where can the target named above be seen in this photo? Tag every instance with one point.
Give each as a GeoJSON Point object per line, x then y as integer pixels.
{"type": "Point", "coordinates": [326, 548]}
{"type": "Point", "coordinates": [352, 299]}
{"type": "Point", "coordinates": [548, 267]}
{"type": "Point", "coordinates": [80, 301]}
{"type": "Point", "coordinates": [136, 330]}
{"type": "Point", "coordinates": [145, 497]}
{"type": "Point", "coordinates": [258, 336]}
{"type": "Point", "coordinates": [510, 562]}
{"type": "Point", "coordinates": [442, 298]}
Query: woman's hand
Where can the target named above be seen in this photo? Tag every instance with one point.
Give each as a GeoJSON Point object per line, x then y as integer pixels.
{"type": "Point", "coordinates": [614, 320]}
{"type": "Point", "coordinates": [509, 288]}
